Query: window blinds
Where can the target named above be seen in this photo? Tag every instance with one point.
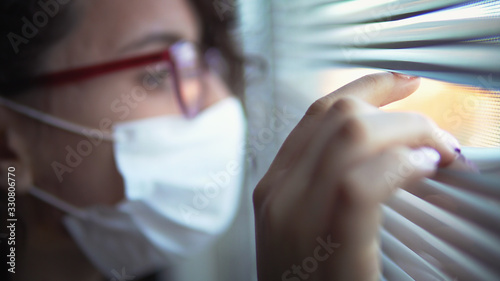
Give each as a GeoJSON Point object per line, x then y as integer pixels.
{"type": "Point", "coordinates": [453, 41]}
{"type": "Point", "coordinates": [448, 227]}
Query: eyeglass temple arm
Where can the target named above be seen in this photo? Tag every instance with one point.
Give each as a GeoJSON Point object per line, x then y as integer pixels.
{"type": "Point", "coordinates": [83, 73]}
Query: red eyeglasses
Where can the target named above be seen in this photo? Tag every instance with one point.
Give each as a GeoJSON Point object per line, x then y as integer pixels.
{"type": "Point", "coordinates": [185, 66]}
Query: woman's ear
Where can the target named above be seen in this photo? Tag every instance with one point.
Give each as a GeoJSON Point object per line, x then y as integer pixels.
{"type": "Point", "coordinates": [14, 163]}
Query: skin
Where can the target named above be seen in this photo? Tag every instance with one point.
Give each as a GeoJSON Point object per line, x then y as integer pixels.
{"type": "Point", "coordinates": [327, 182]}
{"type": "Point", "coordinates": [106, 31]}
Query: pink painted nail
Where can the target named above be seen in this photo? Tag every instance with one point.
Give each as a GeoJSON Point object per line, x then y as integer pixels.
{"type": "Point", "coordinates": [405, 76]}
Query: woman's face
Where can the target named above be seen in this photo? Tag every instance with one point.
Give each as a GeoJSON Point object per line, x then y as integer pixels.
{"type": "Point", "coordinates": [63, 163]}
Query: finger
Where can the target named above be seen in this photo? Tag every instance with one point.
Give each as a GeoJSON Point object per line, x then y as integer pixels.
{"type": "Point", "coordinates": [305, 159]}
{"type": "Point", "coordinates": [372, 181]}
{"type": "Point", "coordinates": [375, 180]}
{"type": "Point", "coordinates": [411, 129]}
{"type": "Point", "coordinates": [357, 200]}
{"type": "Point", "coordinates": [377, 89]}
{"type": "Point", "coordinates": [380, 89]}
{"type": "Point", "coordinates": [308, 155]}
{"type": "Point", "coordinates": [361, 138]}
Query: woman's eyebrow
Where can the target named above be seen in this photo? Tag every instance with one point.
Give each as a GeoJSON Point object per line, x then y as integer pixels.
{"type": "Point", "coordinates": [166, 38]}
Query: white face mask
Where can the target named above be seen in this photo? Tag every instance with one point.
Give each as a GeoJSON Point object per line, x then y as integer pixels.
{"type": "Point", "coordinates": [182, 183]}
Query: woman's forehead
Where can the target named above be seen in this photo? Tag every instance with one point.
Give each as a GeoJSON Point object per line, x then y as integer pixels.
{"type": "Point", "coordinates": [109, 29]}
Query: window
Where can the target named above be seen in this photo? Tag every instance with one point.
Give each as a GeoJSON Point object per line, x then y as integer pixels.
{"type": "Point", "coordinates": [441, 229]}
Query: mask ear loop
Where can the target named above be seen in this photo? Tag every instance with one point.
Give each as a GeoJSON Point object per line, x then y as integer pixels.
{"type": "Point", "coordinates": [51, 120]}
{"type": "Point", "coordinates": [58, 203]}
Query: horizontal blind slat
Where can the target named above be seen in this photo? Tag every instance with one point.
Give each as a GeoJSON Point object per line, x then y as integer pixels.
{"type": "Point", "coordinates": [391, 34]}
{"type": "Point", "coordinates": [434, 250]}
{"type": "Point", "coordinates": [487, 160]}
{"type": "Point", "coordinates": [477, 58]}
{"type": "Point", "coordinates": [462, 64]}
{"type": "Point", "coordinates": [486, 185]}
{"type": "Point", "coordinates": [410, 262]}
{"type": "Point", "coordinates": [460, 234]}
{"type": "Point", "coordinates": [480, 210]}
{"type": "Point", "coordinates": [392, 272]}
{"type": "Point", "coordinates": [328, 11]}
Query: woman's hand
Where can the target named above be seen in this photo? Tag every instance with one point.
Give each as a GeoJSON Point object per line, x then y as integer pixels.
{"type": "Point", "coordinates": [317, 209]}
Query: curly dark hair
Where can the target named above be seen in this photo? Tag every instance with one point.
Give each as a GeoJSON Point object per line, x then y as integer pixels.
{"type": "Point", "coordinates": [30, 27]}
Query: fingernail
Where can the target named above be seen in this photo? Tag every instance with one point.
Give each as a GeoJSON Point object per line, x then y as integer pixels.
{"type": "Point", "coordinates": [425, 158]}
{"type": "Point", "coordinates": [452, 142]}
{"type": "Point", "coordinates": [404, 76]}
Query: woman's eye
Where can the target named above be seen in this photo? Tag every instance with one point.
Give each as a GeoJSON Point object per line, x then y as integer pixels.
{"type": "Point", "coordinates": [154, 81]}
{"type": "Point", "coordinates": [157, 75]}
{"type": "Point", "coordinates": [162, 71]}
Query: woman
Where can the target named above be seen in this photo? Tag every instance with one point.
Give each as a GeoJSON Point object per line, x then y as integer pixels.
{"type": "Point", "coordinates": [65, 174]}
{"type": "Point", "coordinates": [126, 145]}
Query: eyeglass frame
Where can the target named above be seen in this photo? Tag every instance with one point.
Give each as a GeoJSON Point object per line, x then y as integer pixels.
{"type": "Point", "coordinates": [92, 71]}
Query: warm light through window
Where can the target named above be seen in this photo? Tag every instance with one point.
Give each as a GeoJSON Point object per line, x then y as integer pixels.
{"type": "Point", "coordinates": [471, 114]}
